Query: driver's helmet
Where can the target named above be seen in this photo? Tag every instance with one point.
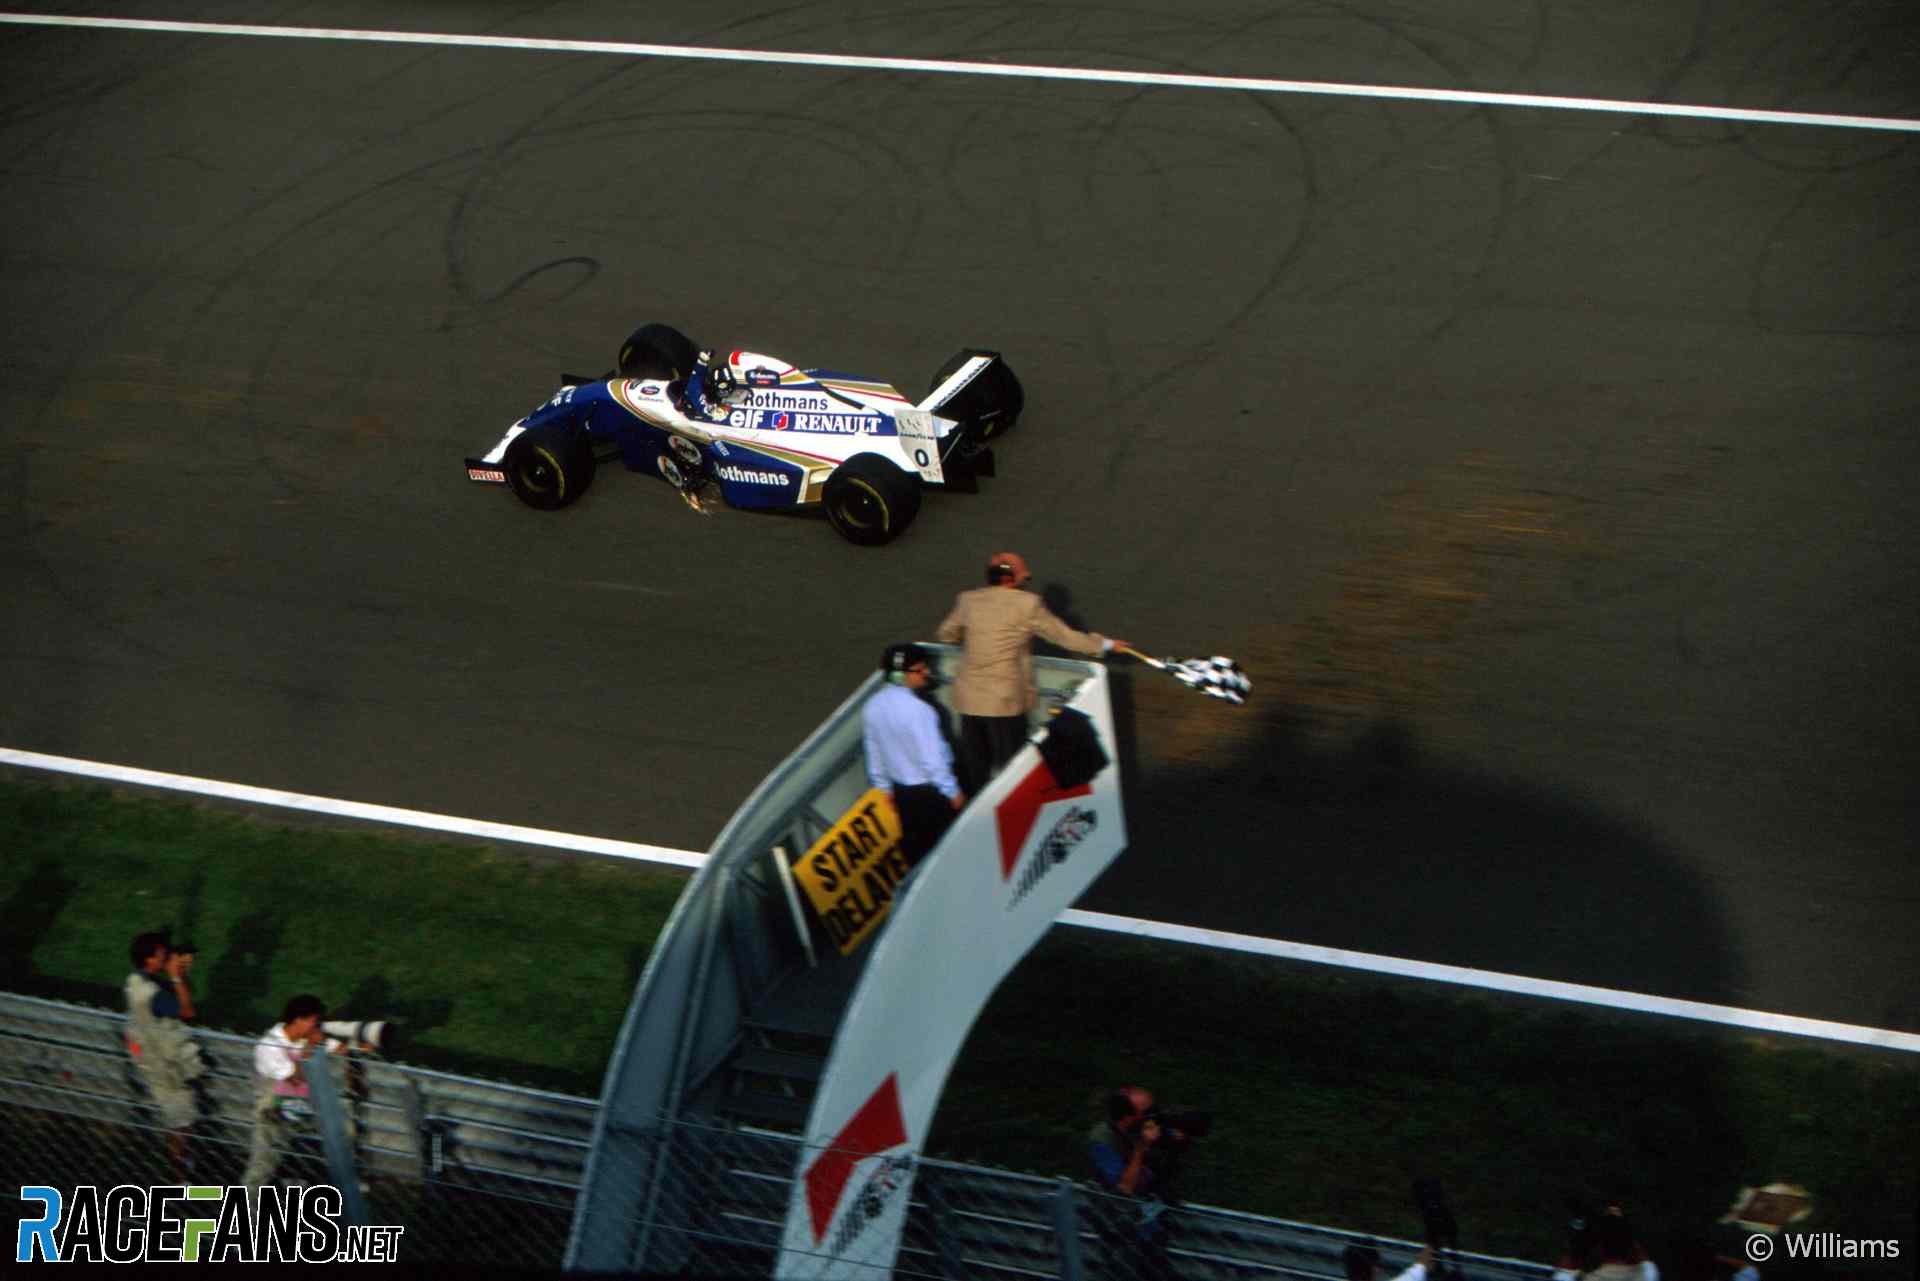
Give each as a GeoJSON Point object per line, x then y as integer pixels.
{"type": "Point", "coordinates": [713, 383]}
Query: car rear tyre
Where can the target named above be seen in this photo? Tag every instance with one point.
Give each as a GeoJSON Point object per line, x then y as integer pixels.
{"type": "Point", "coordinates": [549, 467]}
{"type": "Point", "coordinates": [988, 406]}
{"type": "Point", "coordinates": [657, 351]}
{"type": "Point", "coordinates": [870, 501]}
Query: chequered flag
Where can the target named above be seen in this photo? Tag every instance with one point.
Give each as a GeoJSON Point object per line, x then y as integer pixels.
{"type": "Point", "coordinates": [1216, 677]}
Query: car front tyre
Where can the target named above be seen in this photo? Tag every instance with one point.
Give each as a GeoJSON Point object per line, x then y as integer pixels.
{"type": "Point", "coordinates": [549, 467]}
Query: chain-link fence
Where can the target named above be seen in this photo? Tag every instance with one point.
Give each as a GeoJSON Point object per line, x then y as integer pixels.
{"type": "Point", "coordinates": [725, 1194]}
{"type": "Point", "coordinates": [483, 1173]}
{"type": "Point", "coordinates": [724, 1199]}
{"type": "Point", "coordinates": [473, 1170]}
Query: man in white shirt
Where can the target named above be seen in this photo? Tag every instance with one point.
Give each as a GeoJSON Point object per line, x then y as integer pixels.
{"type": "Point", "coordinates": [279, 1077]}
{"type": "Point", "coordinates": [907, 755]}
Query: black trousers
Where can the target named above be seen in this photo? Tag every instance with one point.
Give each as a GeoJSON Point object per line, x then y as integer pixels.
{"type": "Point", "coordinates": [924, 815]}
{"type": "Point", "coordinates": [987, 743]}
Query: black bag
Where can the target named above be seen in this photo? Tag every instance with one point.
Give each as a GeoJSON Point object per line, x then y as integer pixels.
{"type": "Point", "coordinates": [1072, 749]}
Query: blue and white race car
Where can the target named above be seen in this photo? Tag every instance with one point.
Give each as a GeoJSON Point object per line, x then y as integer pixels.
{"type": "Point", "coordinates": [763, 432]}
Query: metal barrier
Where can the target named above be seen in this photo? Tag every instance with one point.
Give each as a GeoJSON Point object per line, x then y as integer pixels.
{"type": "Point", "coordinates": [486, 1174]}
{"type": "Point", "coordinates": [724, 1200]}
{"type": "Point", "coordinates": [474, 1169]}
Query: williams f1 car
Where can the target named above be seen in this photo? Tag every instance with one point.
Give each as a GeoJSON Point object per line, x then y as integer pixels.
{"type": "Point", "coordinates": [763, 432]}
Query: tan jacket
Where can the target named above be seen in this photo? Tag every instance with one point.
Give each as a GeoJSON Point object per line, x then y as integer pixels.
{"type": "Point", "coordinates": [997, 626]}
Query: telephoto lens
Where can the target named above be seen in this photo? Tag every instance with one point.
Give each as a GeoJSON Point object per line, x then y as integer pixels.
{"type": "Point", "coordinates": [377, 1034]}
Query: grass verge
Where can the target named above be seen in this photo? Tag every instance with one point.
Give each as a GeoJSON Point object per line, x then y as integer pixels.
{"type": "Point", "coordinates": [501, 961]}
{"type": "Point", "coordinates": [1332, 1091]}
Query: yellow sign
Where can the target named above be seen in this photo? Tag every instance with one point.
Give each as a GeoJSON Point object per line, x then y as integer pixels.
{"type": "Point", "coordinates": [852, 872]}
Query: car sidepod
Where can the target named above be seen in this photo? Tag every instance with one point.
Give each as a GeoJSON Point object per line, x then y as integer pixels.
{"type": "Point", "coordinates": [750, 477]}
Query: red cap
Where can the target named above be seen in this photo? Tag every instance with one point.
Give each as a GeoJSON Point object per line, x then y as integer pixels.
{"type": "Point", "coordinates": [1010, 561]}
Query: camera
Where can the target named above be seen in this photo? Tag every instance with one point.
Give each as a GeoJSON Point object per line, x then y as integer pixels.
{"type": "Point", "coordinates": [1181, 1125]}
{"type": "Point", "coordinates": [378, 1034]}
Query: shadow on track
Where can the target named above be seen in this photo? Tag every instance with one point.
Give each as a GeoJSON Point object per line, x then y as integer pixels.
{"type": "Point", "coordinates": [1370, 843]}
{"type": "Point", "coordinates": [1337, 1088]}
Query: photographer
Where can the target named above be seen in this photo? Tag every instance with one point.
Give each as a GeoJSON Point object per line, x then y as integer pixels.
{"type": "Point", "coordinates": [1137, 1150]}
{"type": "Point", "coordinates": [1135, 1153]}
{"type": "Point", "coordinates": [280, 1081]}
{"type": "Point", "coordinates": [164, 1052]}
{"type": "Point", "coordinates": [1119, 1148]}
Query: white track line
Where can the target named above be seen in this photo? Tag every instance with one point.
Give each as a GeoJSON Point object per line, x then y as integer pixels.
{"type": "Point", "coordinates": [1728, 1015]}
{"type": "Point", "coordinates": [1241, 84]}
{"type": "Point", "coordinates": [352, 809]}
{"type": "Point", "coordinates": [1731, 1016]}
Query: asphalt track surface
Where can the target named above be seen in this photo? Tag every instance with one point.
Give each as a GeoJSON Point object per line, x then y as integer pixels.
{"type": "Point", "coordinates": [1549, 470]}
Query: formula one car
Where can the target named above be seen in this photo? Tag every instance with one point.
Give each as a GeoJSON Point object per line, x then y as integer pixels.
{"type": "Point", "coordinates": [762, 432]}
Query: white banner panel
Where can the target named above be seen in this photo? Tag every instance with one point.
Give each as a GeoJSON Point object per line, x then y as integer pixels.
{"type": "Point", "coordinates": [1025, 849]}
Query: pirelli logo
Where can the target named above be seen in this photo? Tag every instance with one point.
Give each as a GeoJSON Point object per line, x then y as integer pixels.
{"type": "Point", "coordinates": [491, 475]}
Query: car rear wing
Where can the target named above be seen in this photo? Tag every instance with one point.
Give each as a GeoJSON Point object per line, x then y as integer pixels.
{"type": "Point", "coordinates": [981, 394]}
{"type": "Point", "coordinates": [949, 398]}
